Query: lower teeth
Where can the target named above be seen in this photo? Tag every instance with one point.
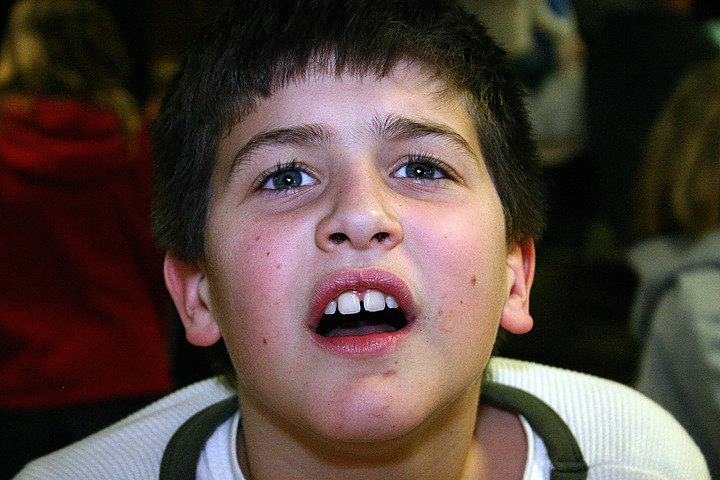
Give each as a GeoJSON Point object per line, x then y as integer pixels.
{"type": "Point", "coordinates": [360, 330]}
{"type": "Point", "coordinates": [363, 323]}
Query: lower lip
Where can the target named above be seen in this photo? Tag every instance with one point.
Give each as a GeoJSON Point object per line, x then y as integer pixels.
{"type": "Point", "coordinates": [371, 345]}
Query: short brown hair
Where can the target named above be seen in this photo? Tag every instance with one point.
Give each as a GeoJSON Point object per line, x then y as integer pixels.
{"type": "Point", "coordinates": [252, 48]}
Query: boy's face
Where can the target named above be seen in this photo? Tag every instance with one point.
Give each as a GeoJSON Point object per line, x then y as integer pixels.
{"type": "Point", "coordinates": [331, 188]}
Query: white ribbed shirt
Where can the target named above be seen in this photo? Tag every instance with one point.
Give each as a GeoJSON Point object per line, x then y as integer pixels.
{"type": "Point", "coordinates": [622, 434]}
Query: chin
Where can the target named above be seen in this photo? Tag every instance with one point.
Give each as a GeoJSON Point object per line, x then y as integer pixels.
{"type": "Point", "coordinates": [374, 415]}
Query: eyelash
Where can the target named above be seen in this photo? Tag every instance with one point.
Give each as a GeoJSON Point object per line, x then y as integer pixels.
{"type": "Point", "coordinates": [280, 167]}
{"type": "Point", "coordinates": [424, 158]}
{"type": "Point", "coordinates": [428, 159]}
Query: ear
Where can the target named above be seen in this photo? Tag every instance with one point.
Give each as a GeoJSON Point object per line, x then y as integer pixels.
{"type": "Point", "coordinates": [521, 272]}
{"type": "Point", "coordinates": [188, 288]}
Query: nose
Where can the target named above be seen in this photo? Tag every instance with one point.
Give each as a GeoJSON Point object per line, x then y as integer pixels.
{"type": "Point", "coordinates": [360, 217]}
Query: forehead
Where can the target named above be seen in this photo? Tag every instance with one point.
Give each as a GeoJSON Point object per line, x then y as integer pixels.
{"type": "Point", "coordinates": [346, 107]}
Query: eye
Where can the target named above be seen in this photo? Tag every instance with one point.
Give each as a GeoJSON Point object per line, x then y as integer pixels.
{"type": "Point", "coordinates": [419, 170]}
{"type": "Point", "coordinates": [285, 177]}
{"type": "Point", "coordinates": [423, 168]}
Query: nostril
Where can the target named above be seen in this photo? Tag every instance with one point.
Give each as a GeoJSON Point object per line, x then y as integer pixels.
{"type": "Point", "coordinates": [338, 238]}
{"type": "Point", "coordinates": [380, 236]}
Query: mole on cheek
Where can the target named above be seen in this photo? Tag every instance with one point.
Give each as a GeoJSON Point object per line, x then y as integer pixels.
{"type": "Point", "coordinates": [264, 341]}
{"type": "Point", "coordinates": [473, 280]}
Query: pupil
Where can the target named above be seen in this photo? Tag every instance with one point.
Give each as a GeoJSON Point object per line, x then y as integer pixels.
{"type": "Point", "coordinates": [289, 179]}
{"type": "Point", "coordinates": [418, 170]}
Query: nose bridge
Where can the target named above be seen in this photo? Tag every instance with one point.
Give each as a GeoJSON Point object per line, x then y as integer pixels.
{"type": "Point", "coordinates": [361, 213]}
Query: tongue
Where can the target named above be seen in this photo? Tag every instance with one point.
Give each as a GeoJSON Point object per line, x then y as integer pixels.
{"type": "Point", "coordinates": [366, 329]}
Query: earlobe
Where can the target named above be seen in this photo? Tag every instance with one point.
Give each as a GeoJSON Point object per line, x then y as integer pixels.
{"type": "Point", "coordinates": [188, 288]}
{"type": "Point", "coordinates": [521, 272]}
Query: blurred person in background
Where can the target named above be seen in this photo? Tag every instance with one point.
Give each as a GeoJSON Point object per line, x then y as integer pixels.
{"type": "Point", "coordinates": [83, 333]}
{"type": "Point", "coordinates": [546, 52]}
{"type": "Point", "coordinates": [539, 35]}
{"type": "Point", "coordinates": [677, 307]}
{"type": "Point", "coordinates": [637, 50]}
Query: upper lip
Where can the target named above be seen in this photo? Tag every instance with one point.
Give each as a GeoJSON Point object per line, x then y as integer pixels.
{"type": "Point", "coordinates": [360, 280]}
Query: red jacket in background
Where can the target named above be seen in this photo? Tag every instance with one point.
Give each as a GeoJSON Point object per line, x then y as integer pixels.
{"type": "Point", "coordinates": [82, 305]}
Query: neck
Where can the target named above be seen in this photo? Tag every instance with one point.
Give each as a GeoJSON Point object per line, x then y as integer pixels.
{"type": "Point", "coordinates": [449, 446]}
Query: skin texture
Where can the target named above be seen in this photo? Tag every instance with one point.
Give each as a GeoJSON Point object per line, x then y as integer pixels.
{"type": "Point", "coordinates": [358, 215]}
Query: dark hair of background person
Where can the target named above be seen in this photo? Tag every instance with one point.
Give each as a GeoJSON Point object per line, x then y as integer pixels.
{"type": "Point", "coordinates": [679, 188]}
{"type": "Point", "coordinates": [84, 315]}
{"type": "Point", "coordinates": [68, 47]}
{"type": "Point", "coordinates": [637, 52]}
{"type": "Point", "coordinates": [677, 302]}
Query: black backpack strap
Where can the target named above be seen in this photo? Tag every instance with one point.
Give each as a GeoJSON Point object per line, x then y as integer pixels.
{"type": "Point", "coordinates": [564, 452]}
{"type": "Point", "coordinates": [181, 456]}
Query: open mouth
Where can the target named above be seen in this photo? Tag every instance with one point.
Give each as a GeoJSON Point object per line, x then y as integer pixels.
{"type": "Point", "coordinates": [348, 315]}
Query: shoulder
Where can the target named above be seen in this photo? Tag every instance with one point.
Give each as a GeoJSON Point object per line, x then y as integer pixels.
{"type": "Point", "coordinates": [621, 432]}
{"type": "Point", "coordinates": [698, 286]}
{"type": "Point", "coordinates": [676, 277]}
{"type": "Point", "coordinates": [133, 447]}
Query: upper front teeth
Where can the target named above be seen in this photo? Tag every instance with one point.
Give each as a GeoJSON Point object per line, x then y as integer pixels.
{"type": "Point", "coordinates": [373, 301]}
{"type": "Point", "coordinates": [348, 303]}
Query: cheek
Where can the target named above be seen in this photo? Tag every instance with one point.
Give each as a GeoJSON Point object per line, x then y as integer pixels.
{"type": "Point", "coordinates": [258, 255]}
{"type": "Point", "coordinates": [465, 258]}
{"type": "Point", "coordinates": [466, 247]}
{"type": "Point", "coordinates": [254, 272]}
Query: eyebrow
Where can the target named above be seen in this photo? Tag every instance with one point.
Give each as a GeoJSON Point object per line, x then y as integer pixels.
{"type": "Point", "coordinates": [395, 127]}
{"type": "Point", "coordinates": [389, 127]}
{"type": "Point", "coordinates": [301, 135]}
